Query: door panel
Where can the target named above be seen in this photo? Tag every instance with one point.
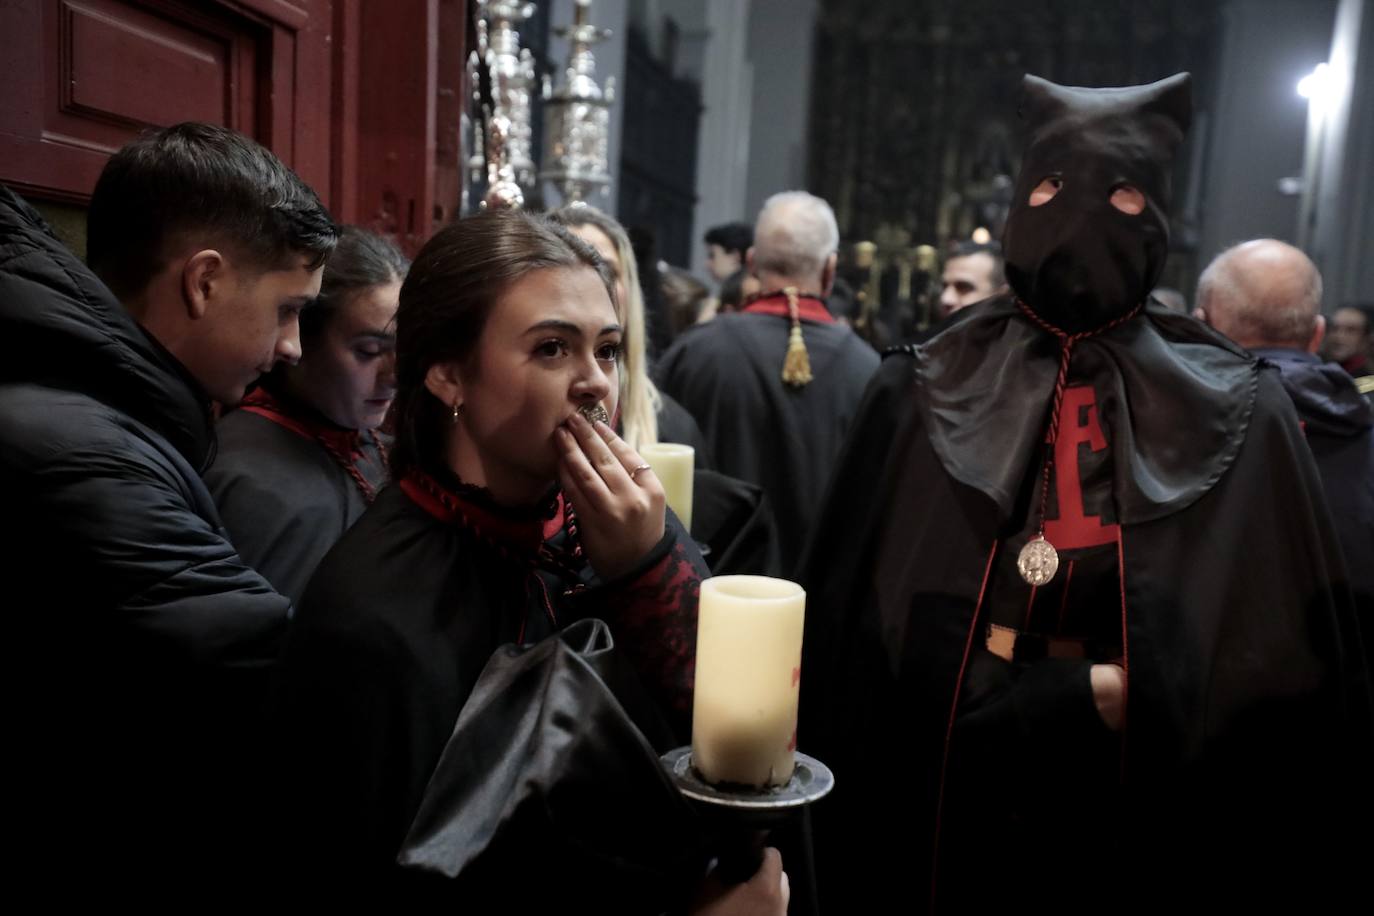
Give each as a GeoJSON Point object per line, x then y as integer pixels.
{"type": "Point", "coordinates": [83, 77]}
{"type": "Point", "coordinates": [353, 95]}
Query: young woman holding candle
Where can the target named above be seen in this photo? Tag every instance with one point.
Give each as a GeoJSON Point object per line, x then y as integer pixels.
{"type": "Point", "coordinates": [302, 458]}
{"type": "Point", "coordinates": [512, 517]}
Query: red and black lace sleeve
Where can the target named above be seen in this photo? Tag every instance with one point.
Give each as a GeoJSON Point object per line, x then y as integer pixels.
{"type": "Point", "coordinates": [652, 612]}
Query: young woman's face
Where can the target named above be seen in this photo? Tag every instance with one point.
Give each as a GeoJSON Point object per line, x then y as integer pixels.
{"type": "Point", "coordinates": [348, 371]}
{"type": "Point", "coordinates": [606, 248]}
{"type": "Point", "coordinates": [549, 346]}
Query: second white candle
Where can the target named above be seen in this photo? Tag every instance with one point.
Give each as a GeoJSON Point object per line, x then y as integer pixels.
{"type": "Point", "coordinates": [674, 465]}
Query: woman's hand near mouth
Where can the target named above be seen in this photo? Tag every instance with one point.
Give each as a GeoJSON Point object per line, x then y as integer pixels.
{"type": "Point", "coordinates": [620, 513]}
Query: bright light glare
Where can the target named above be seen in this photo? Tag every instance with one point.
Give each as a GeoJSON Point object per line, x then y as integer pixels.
{"type": "Point", "coordinates": [1317, 83]}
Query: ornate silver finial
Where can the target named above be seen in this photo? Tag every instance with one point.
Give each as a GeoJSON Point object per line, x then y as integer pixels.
{"type": "Point", "coordinates": [508, 158]}
{"type": "Point", "coordinates": [503, 190]}
{"type": "Point", "coordinates": [577, 116]}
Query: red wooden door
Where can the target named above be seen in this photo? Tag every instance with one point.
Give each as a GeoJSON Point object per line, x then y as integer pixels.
{"type": "Point", "coordinates": [402, 72]}
{"type": "Point", "coordinates": [360, 98]}
{"type": "Point", "coordinates": [82, 77]}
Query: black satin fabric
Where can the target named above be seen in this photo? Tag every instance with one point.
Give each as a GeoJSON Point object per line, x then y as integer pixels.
{"type": "Point", "coordinates": [394, 634]}
{"type": "Point", "coordinates": [1176, 395]}
{"type": "Point", "coordinates": [734, 518]}
{"type": "Point", "coordinates": [1076, 260]}
{"type": "Point", "coordinates": [550, 787]}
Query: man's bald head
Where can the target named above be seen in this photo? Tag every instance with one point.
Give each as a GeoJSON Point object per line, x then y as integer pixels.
{"type": "Point", "coordinates": [1263, 293]}
{"type": "Point", "coordinates": [795, 240]}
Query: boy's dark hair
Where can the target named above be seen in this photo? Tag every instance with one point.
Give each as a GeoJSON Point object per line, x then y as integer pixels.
{"type": "Point", "coordinates": [200, 179]}
{"type": "Point", "coordinates": [736, 237]}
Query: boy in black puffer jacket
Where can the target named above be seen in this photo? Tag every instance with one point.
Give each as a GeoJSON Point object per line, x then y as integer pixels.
{"type": "Point", "coordinates": [145, 646]}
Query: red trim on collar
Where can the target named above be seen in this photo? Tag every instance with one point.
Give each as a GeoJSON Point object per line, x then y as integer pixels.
{"type": "Point", "coordinates": [555, 522]}
{"type": "Point", "coordinates": [524, 536]}
{"type": "Point", "coordinates": [809, 308]}
{"type": "Point", "coordinates": [265, 404]}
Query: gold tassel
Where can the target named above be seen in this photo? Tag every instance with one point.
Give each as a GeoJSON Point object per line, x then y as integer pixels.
{"type": "Point", "coordinates": [796, 368]}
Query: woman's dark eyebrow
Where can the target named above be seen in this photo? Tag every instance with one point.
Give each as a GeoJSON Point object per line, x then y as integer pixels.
{"type": "Point", "coordinates": [567, 327]}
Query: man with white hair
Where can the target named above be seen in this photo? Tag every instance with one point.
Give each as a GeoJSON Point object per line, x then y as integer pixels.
{"type": "Point", "coordinates": [1266, 296]}
{"type": "Point", "coordinates": [775, 385]}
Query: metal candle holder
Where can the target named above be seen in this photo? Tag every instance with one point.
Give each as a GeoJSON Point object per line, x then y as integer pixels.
{"type": "Point", "coordinates": [742, 816]}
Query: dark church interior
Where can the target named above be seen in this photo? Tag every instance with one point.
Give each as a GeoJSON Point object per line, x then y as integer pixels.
{"type": "Point", "coordinates": [715, 457]}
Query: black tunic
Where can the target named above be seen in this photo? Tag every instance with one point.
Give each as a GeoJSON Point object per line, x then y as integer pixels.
{"type": "Point", "coordinates": [1248, 718]}
{"type": "Point", "coordinates": [727, 372]}
{"type": "Point", "coordinates": [283, 496]}
{"type": "Point", "coordinates": [398, 623]}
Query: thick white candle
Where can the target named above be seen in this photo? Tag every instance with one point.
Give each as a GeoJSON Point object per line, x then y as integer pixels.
{"type": "Point", "coordinates": [744, 713]}
{"type": "Point", "coordinates": [674, 464]}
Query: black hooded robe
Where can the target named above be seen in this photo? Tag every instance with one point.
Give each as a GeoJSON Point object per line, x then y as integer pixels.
{"type": "Point", "coordinates": [1248, 717]}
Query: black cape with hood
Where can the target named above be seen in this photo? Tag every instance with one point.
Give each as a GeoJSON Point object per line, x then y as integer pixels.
{"type": "Point", "coordinates": [1247, 706]}
{"type": "Point", "coordinates": [1338, 422]}
{"type": "Point", "coordinates": [141, 643]}
{"type": "Point", "coordinates": [284, 497]}
{"type": "Point", "coordinates": [1213, 578]}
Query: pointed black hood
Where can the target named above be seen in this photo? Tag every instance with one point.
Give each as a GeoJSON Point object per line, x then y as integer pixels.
{"type": "Point", "coordinates": [1076, 260]}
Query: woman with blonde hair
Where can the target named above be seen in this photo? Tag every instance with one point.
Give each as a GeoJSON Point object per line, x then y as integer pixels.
{"type": "Point", "coordinates": [731, 519]}
{"type": "Point", "coordinates": [647, 415]}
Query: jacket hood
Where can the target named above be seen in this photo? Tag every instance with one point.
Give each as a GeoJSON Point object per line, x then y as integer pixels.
{"type": "Point", "coordinates": [1323, 393]}
{"type": "Point", "coordinates": [68, 331]}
